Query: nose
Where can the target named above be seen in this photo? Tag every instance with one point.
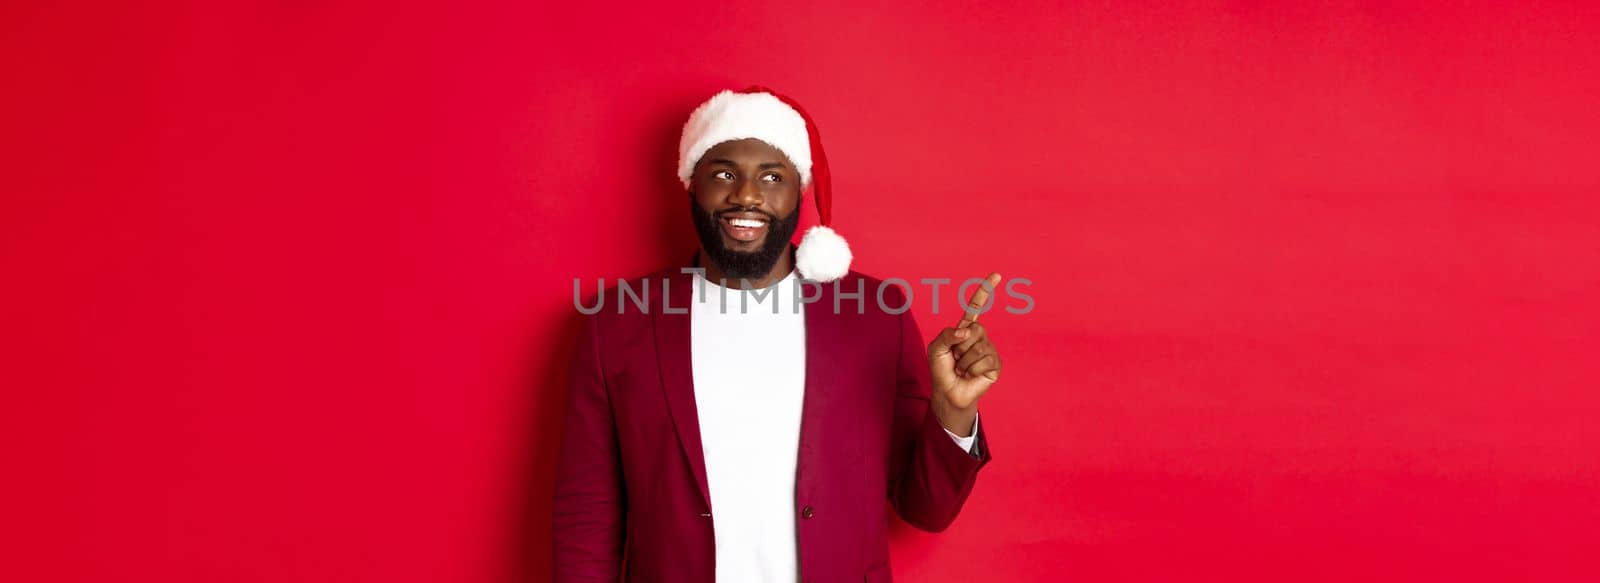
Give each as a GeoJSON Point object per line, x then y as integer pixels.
{"type": "Point", "coordinates": [747, 194]}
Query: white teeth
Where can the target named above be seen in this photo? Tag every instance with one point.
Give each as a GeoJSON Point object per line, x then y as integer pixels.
{"type": "Point", "coordinates": [747, 223]}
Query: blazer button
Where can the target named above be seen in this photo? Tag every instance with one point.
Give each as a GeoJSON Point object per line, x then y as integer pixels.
{"type": "Point", "coordinates": [807, 512]}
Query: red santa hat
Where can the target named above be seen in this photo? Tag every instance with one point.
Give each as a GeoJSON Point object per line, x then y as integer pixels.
{"type": "Point", "coordinates": [765, 115]}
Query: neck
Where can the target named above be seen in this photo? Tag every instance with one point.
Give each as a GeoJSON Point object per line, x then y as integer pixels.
{"type": "Point", "coordinates": [780, 270]}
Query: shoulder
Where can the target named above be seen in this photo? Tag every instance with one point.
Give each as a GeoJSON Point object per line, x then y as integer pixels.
{"type": "Point", "coordinates": [625, 305]}
{"type": "Point", "coordinates": [891, 291]}
{"type": "Point", "coordinates": [863, 298]}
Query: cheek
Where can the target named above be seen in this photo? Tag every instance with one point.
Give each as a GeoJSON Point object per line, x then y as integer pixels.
{"type": "Point", "coordinates": [784, 201]}
{"type": "Point", "coordinates": [706, 195]}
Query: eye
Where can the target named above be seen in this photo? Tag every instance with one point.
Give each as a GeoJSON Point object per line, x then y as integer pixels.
{"type": "Point", "coordinates": [771, 177]}
{"type": "Point", "coordinates": [722, 175]}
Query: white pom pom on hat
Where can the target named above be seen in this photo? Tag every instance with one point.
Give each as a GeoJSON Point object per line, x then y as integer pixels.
{"type": "Point", "coordinates": [823, 255]}
{"type": "Point", "coordinates": [760, 113]}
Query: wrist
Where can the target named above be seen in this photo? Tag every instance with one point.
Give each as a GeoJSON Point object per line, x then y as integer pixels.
{"type": "Point", "coordinates": [958, 420]}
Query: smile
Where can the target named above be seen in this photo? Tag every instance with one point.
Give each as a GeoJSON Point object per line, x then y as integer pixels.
{"type": "Point", "coordinates": [744, 227]}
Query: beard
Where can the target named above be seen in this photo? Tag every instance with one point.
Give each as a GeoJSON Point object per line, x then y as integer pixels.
{"type": "Point", "coordinates": [740, 264]}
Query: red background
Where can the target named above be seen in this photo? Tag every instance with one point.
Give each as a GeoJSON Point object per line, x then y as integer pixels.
{"type": "Point", "coordinates": [288, 286]}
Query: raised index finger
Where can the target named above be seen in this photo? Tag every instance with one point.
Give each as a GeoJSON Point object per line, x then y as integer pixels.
{"type": "Point", "coordinates": [980, 298]}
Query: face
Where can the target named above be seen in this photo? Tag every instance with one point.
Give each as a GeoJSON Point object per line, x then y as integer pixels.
{"type": "Point", "coordinates": [745, 199]}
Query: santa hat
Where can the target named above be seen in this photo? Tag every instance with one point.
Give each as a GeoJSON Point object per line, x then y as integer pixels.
{"type": "Point", "coordinates": [762, 114]}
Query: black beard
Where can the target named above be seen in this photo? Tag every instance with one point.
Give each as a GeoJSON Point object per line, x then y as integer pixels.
{"type": "Point", "coordinates": [739, 264]}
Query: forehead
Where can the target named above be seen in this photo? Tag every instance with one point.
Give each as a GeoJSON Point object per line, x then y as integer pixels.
{"type": "Point", "coordinates": [746, 152]}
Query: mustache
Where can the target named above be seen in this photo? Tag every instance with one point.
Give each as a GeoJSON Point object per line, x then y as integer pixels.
{"type": "Point", "coordinates": [770, 217]}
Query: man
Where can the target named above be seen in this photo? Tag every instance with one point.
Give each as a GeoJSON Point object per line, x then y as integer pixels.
{"type": "Point", "coordinates": [749, 428]}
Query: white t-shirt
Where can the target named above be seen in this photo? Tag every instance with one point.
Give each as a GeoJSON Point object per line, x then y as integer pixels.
{"type": "Point", "coordinates": [749, 368]}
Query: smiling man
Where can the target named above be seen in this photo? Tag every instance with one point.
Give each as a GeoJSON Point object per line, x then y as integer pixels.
{"type": "Point", "coordinates": [745, 431]}
{"type": "Point", "coordinates": [745, 225]}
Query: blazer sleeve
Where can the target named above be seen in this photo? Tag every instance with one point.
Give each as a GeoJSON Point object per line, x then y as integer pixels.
{"type": "Point", "coordinates": [930, 475]}
{"type": "Point", "coordinates": [590, 499]}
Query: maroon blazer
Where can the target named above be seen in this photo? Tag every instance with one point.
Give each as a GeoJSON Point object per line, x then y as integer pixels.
{"type": "Point", "coordinates": [632, 469]}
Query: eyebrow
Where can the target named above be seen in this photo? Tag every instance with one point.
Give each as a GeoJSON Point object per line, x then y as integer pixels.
{"type": "Point", "coordinates": [763, 166]}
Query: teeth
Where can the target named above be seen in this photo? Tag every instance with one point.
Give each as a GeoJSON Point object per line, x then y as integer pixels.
{"type": "Point", "coordinates": [747, 223]}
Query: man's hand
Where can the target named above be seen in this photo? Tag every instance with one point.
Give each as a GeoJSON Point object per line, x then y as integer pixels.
{"type": "Point", "coordinates": [963, 364]}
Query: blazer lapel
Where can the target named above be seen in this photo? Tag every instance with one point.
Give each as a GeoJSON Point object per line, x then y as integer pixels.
{"type": "Point", "coordinates": [677, 374]}
{"type": "Point", "coordinates": [825, 335]}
